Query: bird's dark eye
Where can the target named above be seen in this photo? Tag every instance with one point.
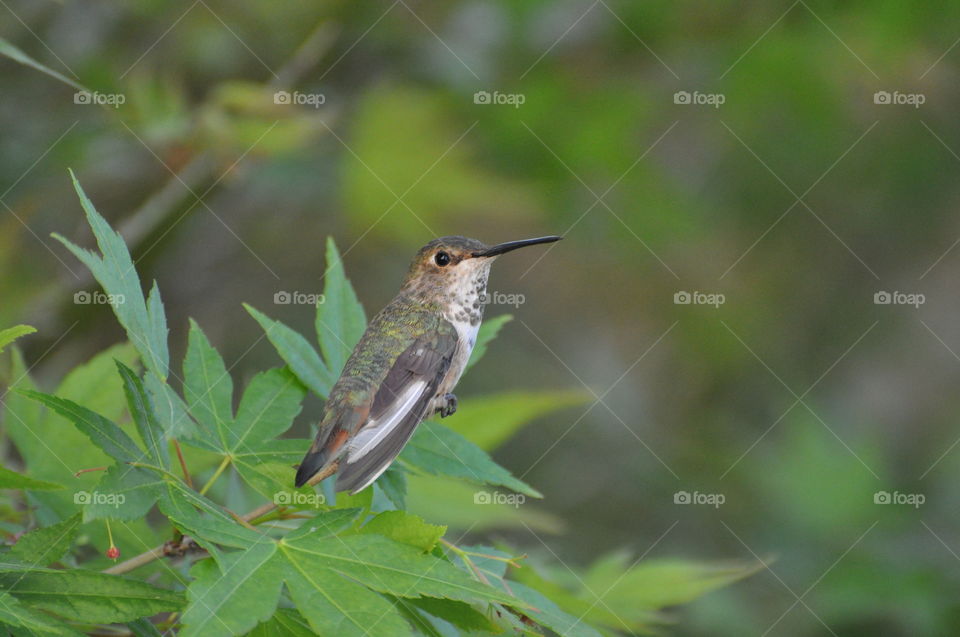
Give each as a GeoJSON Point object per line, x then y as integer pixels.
{"type": "Point", "coordinates": [442, 258]}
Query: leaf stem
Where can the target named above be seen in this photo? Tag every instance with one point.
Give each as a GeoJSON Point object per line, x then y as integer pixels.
{"type": "Point", "coordinates": [183, 463]}
{"type": "Point", "coordinates": [160, 470]}
{"type": "Point", "coordinates": [512, 561]}
{"type": "Point", "coordinates": [216, 474]}
{"type": "Point", "coordinates": [466, 560]}
{"type": "Point", "coordinates": [241, 520]}
{"type": "Point", "coordinates": [82, 471]}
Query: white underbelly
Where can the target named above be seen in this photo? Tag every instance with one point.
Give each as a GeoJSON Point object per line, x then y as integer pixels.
{"type": "Point", "coordinates": [466, 339]}
{"type": "Point", "coordinates": [467, 333]}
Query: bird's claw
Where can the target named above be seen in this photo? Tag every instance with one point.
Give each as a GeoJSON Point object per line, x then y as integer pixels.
{"type": "Point", "coordinates": [449, 407]}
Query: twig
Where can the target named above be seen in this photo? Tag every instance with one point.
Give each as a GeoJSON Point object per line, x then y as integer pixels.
{"type": "Point", "coordinates": [136, 561]}
{"type": "Point", "coordinates": [317, 44]}
{"type": "Point", "coordinates": [259, 511]}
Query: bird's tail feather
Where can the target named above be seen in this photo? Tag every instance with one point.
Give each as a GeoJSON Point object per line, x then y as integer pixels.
{"type": "Point", "coordinates": [317, 458]}
{"type": "Point", "coordinates": [312, 464]}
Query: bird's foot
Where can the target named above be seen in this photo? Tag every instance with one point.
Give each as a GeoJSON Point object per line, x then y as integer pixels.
{"type": "Point", "coordinates": [449, 407]}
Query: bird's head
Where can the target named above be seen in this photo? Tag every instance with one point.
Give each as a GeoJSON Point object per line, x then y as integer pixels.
{"type": "Point", "coordinates": [448, 265]}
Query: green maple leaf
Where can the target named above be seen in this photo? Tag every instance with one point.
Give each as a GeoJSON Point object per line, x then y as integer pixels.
{"type": "Point", "coordinates": [85, 596]}
{"type": "Point", "coordinates": [247, 439]}
{"type": "Point", "coordinates": [337, 582]}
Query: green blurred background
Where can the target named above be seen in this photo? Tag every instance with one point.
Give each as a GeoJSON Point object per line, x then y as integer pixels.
{"type": "Point", "coordinates": [799, 198]}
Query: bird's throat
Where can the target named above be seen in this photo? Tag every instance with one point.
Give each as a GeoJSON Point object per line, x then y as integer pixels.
{"type": "Point", "coordinates": [464, 303]}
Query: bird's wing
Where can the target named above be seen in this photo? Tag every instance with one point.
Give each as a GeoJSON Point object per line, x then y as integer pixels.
{"type": "Point", "coordinates": [399, 405]}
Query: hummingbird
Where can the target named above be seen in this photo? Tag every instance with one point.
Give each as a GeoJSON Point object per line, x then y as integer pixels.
{"type": "Point", "coordinates": [407, 363]}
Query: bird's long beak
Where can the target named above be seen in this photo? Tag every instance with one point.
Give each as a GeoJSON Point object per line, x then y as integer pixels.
{"type": "Point", "coordinates": [501, 248]}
